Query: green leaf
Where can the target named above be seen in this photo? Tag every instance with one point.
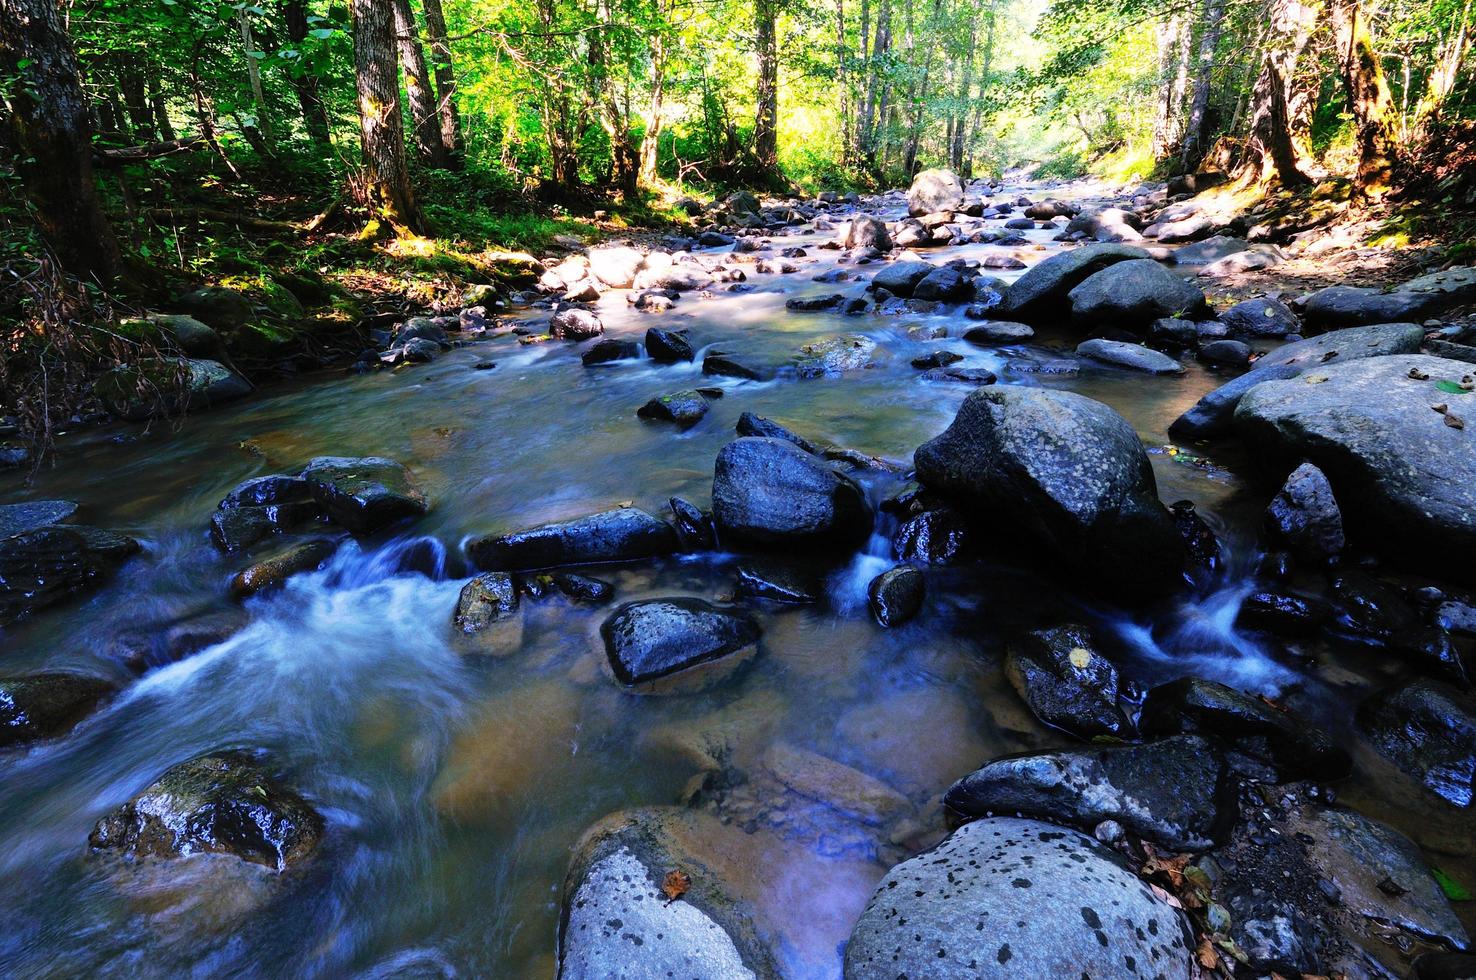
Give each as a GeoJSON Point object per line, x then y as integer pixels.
{"type": "Point", "coordinates": [1454, 890]}
{"type": "Point", "coordinates": [23, 64]}
{"type": "Point", "coordinates": [321, 33]}
{"type": "Point", "coordinates": [1451, 388]}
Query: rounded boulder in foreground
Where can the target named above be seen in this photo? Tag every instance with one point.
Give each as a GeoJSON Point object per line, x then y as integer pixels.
{"type": "Point", "coordinates": [1014, 898]}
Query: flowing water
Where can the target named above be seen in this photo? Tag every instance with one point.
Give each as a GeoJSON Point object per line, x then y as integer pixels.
{"type": "Point", "coordinates": [455, 787]}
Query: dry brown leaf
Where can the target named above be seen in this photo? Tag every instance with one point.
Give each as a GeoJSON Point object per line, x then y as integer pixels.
{"type": "Point", "coordinates": [1206, 954]}
{"type": "Point", "coordinates": [1419, 375]}
{"type": "Point", "coordinates": [675, 884]}
{"type": "Point", "coordinates": [1165, 897]}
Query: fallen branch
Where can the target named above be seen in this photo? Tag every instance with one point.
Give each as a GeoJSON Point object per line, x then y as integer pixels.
{"type": "Point", "coordinates": [228, 217]}
{"type": "Point", "coordinates": [118, 156]}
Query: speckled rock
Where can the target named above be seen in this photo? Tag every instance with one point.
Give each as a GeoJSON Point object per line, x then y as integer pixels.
{"type": "Point", "coordinates": [489, 598]}
{"type": "Point", "coordinates": [32, 514]}
{"type": "Point", "coordinates": [1008, 898]}
{"type": "Point", "coordinates": [1305, 515]}
{"type": "Point", "coordinates": [1347, 306]}
{"type": "Point", "coordinates": [363, 495]}
{"type": "Point", "coordinates": [1133, 294]}
{"type": "Point", "coordinates": [1176, 792]}
{"type": "Point", "coordinates": [1261, 318]}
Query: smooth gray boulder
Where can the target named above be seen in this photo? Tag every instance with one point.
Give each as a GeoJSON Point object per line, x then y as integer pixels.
{"type": "Point", "coordinates": [1132, 294]}
{"type": "Point", "coordinates": [1006, 898]}
{"type": "Point", "coordinates": [1041, 293]}
{"type": "Point", "coordinates": [651, 639]}
{"type": "Point", "coordinates": [363, 494]}
{"type": "Point", "coordinates": [1065, 473]}
{"type": "Point", "coordinates": [770, 492]}
{"type": "Point", "coordinates": [1134, 357]}
{"type": "Point", "coordinates": [1351, 306]}
{"type": "Point", "coordinates": [1393, 443]}
{"type": "Point", "coordinates": [866, 231]}
{"type": "Point", "coordinates": [164, 385]}
{"type": "Point", "coordinates": [32, 514]}
{"type": "Point", "coordinates": [1261, 318]}
{"type": "Point", "coordinates": [1209, 250]}
{"type": "Point", "coordinates": [933, 191]}
{"type": "Point", "coordinates": [621, 534]}
{"type": "Point", "coordinates": [901, 278]}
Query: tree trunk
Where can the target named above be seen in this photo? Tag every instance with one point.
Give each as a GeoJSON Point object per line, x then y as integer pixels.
{"type": "Point", "coordinates": [1272, 151]}
{"type": "Point", "coordinates": [54, 135]}
{"type": "Point", "coordinates": [160, 109]}
{"type": "Point", "coordinates": [426, 122]}
{"type": "Point", "coordinates": [958, 120]}
{"type": "Point", "coordinates": [1369, 100]}
{"type": "Point", "coordinates": [1443, 76]}
{"type": "Point", "coordinates": [876, 86]}
{"type": "Point", "coordinates": [766, 118]}
{"type": "Point", "coordinates": [135, 99]}
{"type": "Point", "coordinates": [445, 73]}
{"type": "Point", "coordinates": [651, 139]}
{"type": "Point", "coordinates": [253, 75]}
{"type": "Point", "coordinates": [305, 84]}
{"type": "Point", "coordinates": [1173, 80]}
{"type": "Point", "coordinates": [1196, 129]}
{"type": "Point", "coordinates": [386, 181]}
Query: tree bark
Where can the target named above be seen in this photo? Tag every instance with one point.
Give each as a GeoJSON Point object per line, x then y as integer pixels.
{"type": "Point", "coordinates": [445, 74]}
{"type": "Point", "coordinates": [1196, 129]}
{"type": "Point", "coordinates": [305, 84]}
{"type": "Point", "coordinates": [253, 75]}
{"type": "Point", "coordinates": [1369, 100]}
{"type": "Point", "coordinates": [766, 118]}
{"type": "Point", "coordinates": [425, 121]}
{"type": "Point", "coordinates": [650, 155]}
{"type": "Point", "coordinates": [52, 130]}
{"type": "Point", "coordinates": [1272, 151]}
{"type": "Point", "coordinates": [386, 181]}
{"type": "Point", "coordinates": [160, 109]}
{"type": "Point", "coordinates": [1173, 41]}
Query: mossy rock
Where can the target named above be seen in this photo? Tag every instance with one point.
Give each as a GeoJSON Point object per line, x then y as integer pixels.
{"type": "Point", "coordinates": [307, 286]}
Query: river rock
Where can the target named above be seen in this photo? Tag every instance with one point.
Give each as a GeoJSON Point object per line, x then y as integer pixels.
{"type": "Point", "coordinates": [1213, 415]}
{"type": "Point", "coordinates": [992, 332]}
{"type": "Point", "coordinates": [489, 598]}
{"type": "Point", "coordinates": [1226, 353]}
{"type": "Point", "coordinates": [777, 582]}
{"type": "Point", "coordinates": [835, 355]}
{"type": "Point", "coordinates": [1305, 515]}
{"type": "Point", "coordinates": [647, 641]}
{"type": "Point", "coordinates": [736, 366]}
{"type": "Point", "coordinates": [1404, 475]}
{"type": "Point", "coordinates": [1176, 793]}
{"type": "Point", "coordinates": [941, 536]}
{"type": "Point", "coordinates": [1209, 250]}
{"type": "Point", "coordinates": [261, 507]}
{"type": "Point", "coordinates": [901, 278]}
{"type": "Point", "coordinates": [615, 265]}
{"type": "Point", "coordinates": [573, 323]}
{"type": "Point", "coordinates": [1134, 357]}
{"type": "Point", "coordinates": [668, 346]}
{"type": "Point", "coordinates": [621, 534]}
{"type": "Point", "coordinates": [1428, 729]}
{"type": "Point", "coordinates": [1133, 294]}
{"type": "Point", "coordinates": [771, 492]}
{"type": "Point", "coordinates": [1418, 299]}
{"type": "Point", "coordinates": [868, 232]}
{"type": "Point", "coordinates": [228, 803]}
{"type": "Point", "coordinates": [1003, 899]}
{"type": "Point", "coordinates": [1261, 318]}
{"type": "Point", "coordinates": [363, 495]}
{"type": "Point", "coordinates": [933, 191]}
{"type": "Point", "coordinates": [1246, 723]}
{"type": "Point", "coordinates": [1065, 472]}
{"type": "Point", "coordinates": [608, 350]}
{"type": "Point", "coordinates": [896, 595]}
{"type": "Point", "coordinates": [1041, 294]}
{"type": "Point", "coordinates": [274, 571]}
{"type": "Point", "coordinates": [43, 566]}
{"type": "Point", "coordinates": [1066, 683]}
{"type": "Point", "coordinates": [686, 408]}
{"type": "Point", "coordinates": [165, 385]}
{"type": "Point", "coordinates": [948, 284]}
{"type": "Point", "coordinates": [750, 424]}
{"type": "Point", "coordinates": [33, 514]}
{"type": "Point", "coordinates": [47, 704]}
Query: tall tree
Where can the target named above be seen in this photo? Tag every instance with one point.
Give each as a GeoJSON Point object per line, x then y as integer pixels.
{"type": "Point", "coordinates": [1272, 151]}
{"type": "Point", "coordinates": [445, 73]}
{"type": "Point", "coordinates": [305, 81]}
{"type": "Point", "coordinates": [425, 121]}
{"type": "Point", "coordinates": [1369, 99]}
{"type": "Point", "coordinates": [766, 117]}
{"type": "Point", "coordinates": [386, 186]}
{"type": "Point", "coordinates": [53, 134]}
{"type": "Point", "coordinates": [1196, 129]}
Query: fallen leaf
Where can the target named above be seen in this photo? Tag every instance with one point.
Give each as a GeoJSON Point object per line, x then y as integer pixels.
{"type": "Point", "coordinates": [1080, 658]}
{"type": "Point", "coordinates": [1206, 954]}
{"type": "Point", "coordinates": [675, 885]}
{"type": "Point", "coordinates": [1454, 421]}
{"type": "Point", "coordinates": [1316, 379]}
{"type": "Point", "coordinates": [1451, 388]}
{"type": "Point", "coordinates": [1419, 375]}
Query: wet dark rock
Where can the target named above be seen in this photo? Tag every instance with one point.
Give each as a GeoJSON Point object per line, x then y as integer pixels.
{"type": "Point", "coordinates": [1371, 609]}
{"type": "Point", "coordinates": [901, 278]}
{"type": "Point", "coordinates": [1444, 966]}
{"type": "Point", "coordinates": [1246, 724]}
{"type": "Point", "coordinates": [1456, 617]}
{"type": "Point", "coordinates": [47, 705]}
{"type": "Point", "coordinates": [228, 803]}
{"type": "Point", "coordinates": [274, 571]}
{"type": "Point", "coordinates": [1305, 515]}
{"type": "Point", "coordinates": [937, 359]}
{"type": "Point", "coordinates": [933, 191]}
{"type": "Point", "coordinates": [1041, 293]}
{"type": "Point", "coordinates": [1065, 472]}
{"type": "Point", "coordinates": [686, 408]}
{"type": "Point", "coordinates": [814, 304]}
{"type": "Point", "coordinates": [866, 231]}
{"type": "Point", "coordinates": [1176, 793]}
{"type": "Point", "coordinates": [935, 537]}
{"type": "Point", "coordinates": [998, 332]}
{"type": "Point", "coordinates": [693, 526]}
{"type": "Point", "coordinates": [1229, 353]}
{"type": "Point", "coordinates": [835, 355]}
{"type": "Point", "coordinates": [1261, 318]}
{"type": "Point", "coordinates": [621, 534]}
{"type": "Point", "coordinates": [1404, 477]}
{"type": "Point", "coordinates": [489, 598]}
{"type": "Point", "coordinates": [1066, 682]}
{"type": "Point", "coordinates": [1428, 729]}
{"type": "Point", "coordinates": [1213, 415]}
{"type": "Point", "coordinates": [1282, 613]}
{"type": "Point", "coordinates": [1173, 332]}
{"type": "Point", "coordinates": [363, 495]}
{"type": "Point", "coordinates": [968, 376]}
{"type": "Point", "coordinates": [421, 328]}
{"type": "Point", "coordinates": [771, 492]}
{"type": "Point", "coordinates": [169, 642]}
{"type": "Point", "coordinates": [43, 566]}
{"type": "Point", "coordinates": [32, 515]}
{"type": "Point", "coordinates": [648, 640]}
{"type": "Point", "coordinates": [736, 366]}
{"type": "Point", "coordinates": [750, 424]}
{"type": "Point", "coordinates": [573, 323]}
{"type": "Point", "coordinates": [776, 581]}
{"type": "Point", "coordinates": [653, 301]}
{"type": "Point", "coordinates": [417, 350]}
{"type": "Point", "coordinates": [668, 346]}
{"type": "Point", "coordinates": [166, 385]}
{"type": "Point", "coordinates": [605, 351]}
{"type": "Point", "coordinates": [1201, 547]}
{"type": "Point", "coordinates": [1132, 294]}
{"type": "Point", "coordinates": [896, 595]}
{"type": "Point", "coordinates": [714, 239]}
{"type": "Point", "coordinates": [261, 507]}
{"type": "Point", "coordinates": [1350, 306]}
{"type": "Point", "coordinates": [1004, 898]}
{"type": "Point", "coordinates": [1134, 357]}
{"type": "Point", "coordinates": [948, 284]}
{"type": "Point", "coordinates": [584, 588]}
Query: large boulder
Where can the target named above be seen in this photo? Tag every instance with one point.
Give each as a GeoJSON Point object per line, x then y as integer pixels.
{"type": "Point", "coordinates": [165, 385]}
{"type": "Point", "coordinates": [1209, 250]}
{"type": "Point", "coordinates": [45, 705]}
{"type": "Point", "coordinates": [32, 514]}
{"type": "Point", "coordinates": [1041, 293]}
{"type": "Point", "coordinates": [1106, 225]}
{"type": "Point", "coordinates": [771, 492]}
{"type": "Point", "coordinates": [1064, 472]}
{"type": "Point", "coordinates": [228, 803]}
{"type": "Point", "coordinates": [573, 323]}
{"type": "Point", "coordinates": [649, 640]}
{"type": "Point", "coordinates": [933, 191]}
{"type": "Point", "coordinates": [947, 284]}
{"type": "Point", "coordinates": [1428, 729]}
{"type": "Point", "coordinates": [1133, 357]}
{"type": "Point", "coordinates": [43, 565]}
{"type": "Point", "coordinates": [615, 265]}
{"type": "Point", "coordinates": [1066, 683]}
{"type": "Point", "coordinates": [1132, 294]}
{"type": "Point", "coordinates": [868, 232]}
{"type": "Point", "coordinates": [622, 534]}
{"type": "Point", "coordinates": [260, 507]}
{"type": "Point", "coordinates": [1390, 436]}
{"type": "Point", "coordinates": [901, 278]}
{"type": "Point", "coordinates": [1004, 898]}
{"type": "Point", "coordinates": [1261, 318]}
{"type": "Point", "coordinates": [365, 494]}
{"type": "Point", "coordinates": [1351, 306]}
{"type": "Point", "coordinates": [1177, 793]}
